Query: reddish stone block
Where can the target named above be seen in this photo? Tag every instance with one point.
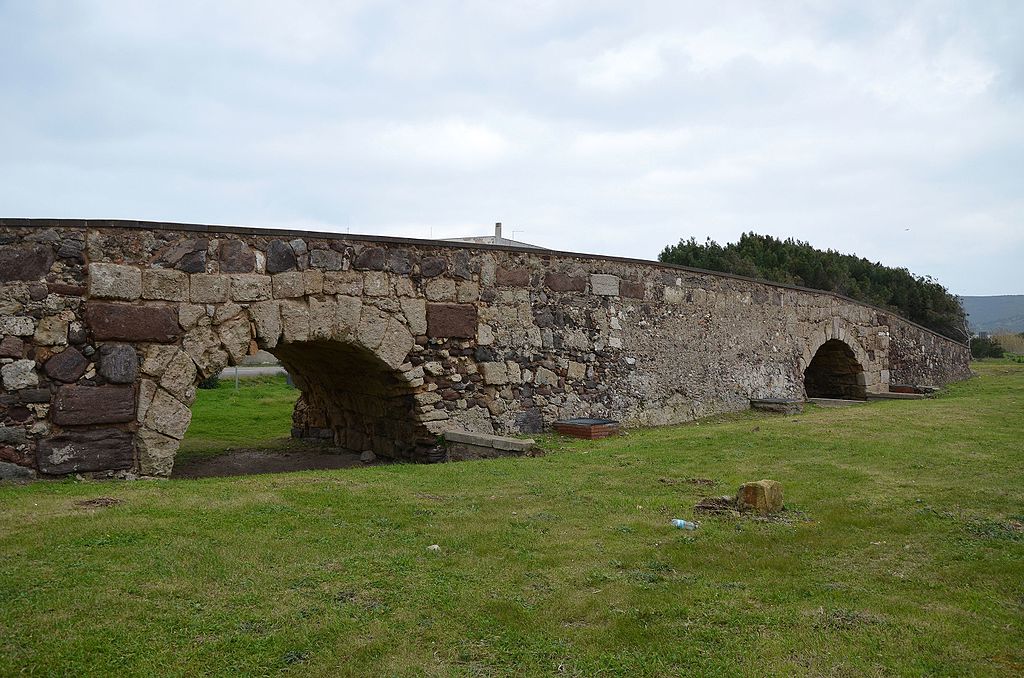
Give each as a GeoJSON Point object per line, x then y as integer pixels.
{"type": "Point", "coordinates": [560, 282]}
{"type": "Point", "coordinates": [86, 405]}
{"type": "Point", "coordinates": [513, 277]}
{"type": "Point", "coordinates": [93, 450]}
{"type": "Point", "coordinates": [25, 263]}
{"type": "Point", "coordinates": [128, 322]}
{"type": "Point", "coordinates": [451, 320]}
{"type": "Point", "coordinates": [631, 290]}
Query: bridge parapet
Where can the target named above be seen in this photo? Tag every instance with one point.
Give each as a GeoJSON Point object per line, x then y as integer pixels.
{"type": "Point", "coordinates": [106, 328]}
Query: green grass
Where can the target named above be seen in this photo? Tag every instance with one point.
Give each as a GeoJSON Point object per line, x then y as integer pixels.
{"type": "Point", "coordinates": [901, 556]}
{"type": "Point", "coordinates": [258, 414]}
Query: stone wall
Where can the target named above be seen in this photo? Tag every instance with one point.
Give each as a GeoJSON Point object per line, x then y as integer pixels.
{"type": "Point", "coordinates": [107, 327]}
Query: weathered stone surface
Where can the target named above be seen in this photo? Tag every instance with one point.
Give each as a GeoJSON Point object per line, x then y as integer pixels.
{"type": "Point", "coordinates": [399, 261]}
{"type": "Point", "coordinates": [179, 378]}
{"type": "Point", "coordinates": [313, 281]}
{"type": "Point", "coordinates": [376, 284]}
{"type": "Point", "coordinates": [631, 290]}
{"type": "Point", "coordinates": [415, 311]}
{"type": "Point", "coordinates": [451, 320]}
{"type": "Point", "coordinates": [156, 453]}
{"type": "Point", "coordinates": [9, 471]}
{"type": "Point", "coordinates": [155, 358]}
{"type": "Point", "coordinates": [51, 331]}
{"type": "Point", "coordinates": [266, 317]}
{"type": "Point", "coordinates": [190, 315]}
{"type": "Point", "coordinates": [512, 277]}
{"type": "Point", "coordinates": [204, 347]}
{"type": "Point", "coordinates": [396, 343]}
{"type": "Point", "coordinates": [604, 284]}
{"type": "Point", "coordinates": [67, 366]}
{"type": "Point", "coordinates": [441, 289]}
{"type": "Point", "coordinates": [209, 289]}
{"type": "Point", "coordinates": [327, 260]}
{"type": "Point", "coordinates": [346, 316]}
{"type": "Point", "coordinates": [372, 258]}
{"type": "Point", "coordinates": [147, 391]}
{"type": "Point", "coordinates": [432, 267]}
{"type": "Point", "coordinates": [114, 281]}
{"type": "Point", "coordinates": [17, 325]}
{"type": "Point", "coordinates": [288, 285]}
{"type": "Point", "coordinates": [165, 284]}
{"type": "Point", "coordinates": [349, 283]}
{"type": "Point", "coordinates": [560, 282]}
{"type": "Point", "coordinates": [11, 347]}
{"type": "Point", "coordinates": [13, 435]}
{"type": "Point", "coordinates": [188, 255]}
{"type": "Point", "coordinates": [118, 363]}
{"type": "Point", "coordinates": [25, 263]}
{"type": "Point", "coordinates": [494, 373]}
{"type": "Point", "coordinates": [19, 374]}
{"type": "Point", "coordinates": [763, 496]}
{"type": "Point", "coordinates": [321, 317]}
{"type": "Point", "coordinates": [545, 377]}
{"type": "Point", "coordinates": [87, 405]}
{"type": "Point", "coordinates": [280, 257]}
{"type": "Point", "coordinates": [83, 451]}
{"type": "Point", "coordinates": [168, 416]}
{"type": "Point", "coordinates": [236, 257]}
{"type": "Point", "coordinates": [294, 320]}
{"type": "Point", "coordinates": [129, 322]}
{"type": "Point", "coordinates": [250, 287]}
{"type": "Point", "coordinates": [235, 336]}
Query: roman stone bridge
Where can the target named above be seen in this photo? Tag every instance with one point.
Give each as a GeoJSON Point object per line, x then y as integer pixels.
{"type": "Point", "coordinates": [106, 328]}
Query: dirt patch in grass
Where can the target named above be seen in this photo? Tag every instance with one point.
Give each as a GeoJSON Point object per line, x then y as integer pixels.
{"type": "Point", "coordinates": [256, 461]}
{"type": "Point", "coordinates": [98, 502]}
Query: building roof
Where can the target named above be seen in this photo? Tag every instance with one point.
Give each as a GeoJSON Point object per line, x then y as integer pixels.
{"type": "Point", "coordinates": [495, 239]}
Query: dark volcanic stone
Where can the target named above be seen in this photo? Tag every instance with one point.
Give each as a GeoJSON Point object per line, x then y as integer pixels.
{"type": "Point", "coordinates": [77, 451]}
{"type": "Point", "coordinates": [530, 421]}
{"type": "Point", "coordinates": [236, 257]}
{"type": "Point", "coordinates": [85, 405]}
{"type": "Point", "coordinates": [118, 363]}
{"type": "Point", "coordinates": [77, 333]}
{"type": "Point", "coordinates": [128, 322]}
{"type": "Point", "coordinates": [36, 291]}
{"type": "Point", "coordinates": [433, 267]}
{"type": "Point", "coordinates": [34, 395]}
{"type": "Point", "coordinates": [451, 320]}
{"type": "Point", "coordinates": [399, 261]}
{"type": "Point", "coordinates": [25, 263]}
{"type": "Point", "coordinates": [174, 255]}
{"type": "Point", "coordinates": [11, 347]}
{"type": "Point", "coordinates": [67, 366]}
{"type": "Point", "coordinates": [280, 257]}
{"type": "Point", "coordinates": [193, 262]}
{"type": "Point", "coordinates": [327, 260]}
{"type": "Point", "coordinates": [66, 289]}
{"type": "Point", "coordinates": [371, 259]}
{"type": "Point", "coordinates": [460, 266]}
{"type": "Point", "coordinates": [560, 282]}
{"type": "Point", "coordinates": [513, 277]}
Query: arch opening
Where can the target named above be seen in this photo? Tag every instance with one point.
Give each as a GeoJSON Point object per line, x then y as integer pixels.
{"type": "Point", "coordinates": [352, 397]}
{"type": "Point", "coordinates": [834, 372]}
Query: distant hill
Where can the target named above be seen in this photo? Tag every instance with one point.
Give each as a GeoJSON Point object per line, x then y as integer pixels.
{"type": "Point", "coordinates": [994, 314]}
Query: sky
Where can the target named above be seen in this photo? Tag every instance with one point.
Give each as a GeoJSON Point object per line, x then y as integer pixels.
{"type": "Point", "coordinates": [892, 130]}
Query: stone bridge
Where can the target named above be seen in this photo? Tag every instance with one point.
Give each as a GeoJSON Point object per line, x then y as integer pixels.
{"type": "Point", "coordinates": [106, 328]}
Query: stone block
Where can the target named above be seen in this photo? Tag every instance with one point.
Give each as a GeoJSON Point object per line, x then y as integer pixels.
{"type": "Point", "coordinates": [467, 292]}
{"type": "Point", "coordinates": [763, 496]}
{"type": "Point", "coordinates": [294, 320]}
{"type": "Point", "coordinates": [250, 287]}
{"type": "Point", "coordinates": [25, 263]}
{"type": "Point", "coordinates": [396, 343]}
{"type": "Point", "coordinates": [313, 281]}
{"type": "Point", "coordinates": [236, 257]}
{"type": "Point", "coordinates": [205, 288]}
{"type": "Point", "coordinates": [266, 317]}
{"type": "Point", "coordinates": [168, 415]}
{"type": "Point", "coordinates": [440, 289]}
{"type": "Point", "coordinates": [372, 326]}
{"type": "Point", "coordinates": [484, 334]}
{"type": "Point", "coordinates": [288, 285]}
{"type": "Point", "coordinates": [674, 295]}
{"type": "Point", "coordinates": [451, 320]}
{"type": "Point", "coordinates": [415, 311]}
{"type": "Point", "coordinates": [576, 371]}
{"type": "Point", "coordinates": [115, 281]}
{"type": "Point", "coordinates": [494, 373]}
{"type": "Point", "coordinates": [51, 331]}
{"type": "Point", "coordinates": [204, 347]}
{"type": "Point", "coordinates": [560, 282]}
{"type": "Point", "coordinates": [512, 277]}
{"type": "Point", "coordinates": [189, 315]}
{"type": "Point", "coordinates": [545, 377]}
{"type": "Point", "coordinates": [349, 283]}
{"type": "Point", "coordinates": [155, 358]}
{"type": "Point", "coordinates": [327, 260]}
{"type": "Point", "coordinates": [19, 374]}
{"type": "Point", "coordinates": [103, 449]}
{"type": "Point", "coordinates": [13, 347]}
{"type": "Point", "coordinates": [165, 284]}
{"type": "Point", "coordinates": [431, 267]}
{"type": "Point", "coordinates": [346, 316]}
{"type": "Point", "coordinates": [17, 325]}
{"type": "Point", "coordinates": [156, 453]}
{"type": "Point", "coordinates": [147, 391]}
{"type": "Point", "coordinates": [67, 366]}
{"type": "Point", "coordinates": [179, 378]}
{"type": "Point", "coordinates": [376, 284]}
{"type": "Point", "coordinates": [118, 363]}
{"type": "Point", "coordinates": [235, 336]}
{"type": "Point", "coordinates": [9, 471]}
{"type": "Point", "coordinates": [128, 322]}
{"type": "Point", "coordinates": [322, 312]}
{"type": "Point", "coordinates": [631, 290]}
{"type": "Point", "coordinates": [88, 405]}
{"type": "Point", "coordinates": [370, 259]}
{"type": "Point", "coordinates": [604, 284]}
{"type": "Point", "coordinates": [280, 257]}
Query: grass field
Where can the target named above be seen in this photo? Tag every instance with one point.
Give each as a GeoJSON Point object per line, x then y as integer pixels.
{"type": "Point", "coordinates": [901, 554]}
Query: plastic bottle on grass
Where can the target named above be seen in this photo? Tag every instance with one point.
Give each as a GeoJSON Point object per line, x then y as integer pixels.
{"type": "Point", "coordinates": [684, 524]}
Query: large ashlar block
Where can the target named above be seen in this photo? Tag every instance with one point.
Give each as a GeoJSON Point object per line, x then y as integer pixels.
{"type": "Point", "coordinates": [115, 281]}
{"type": "Point", "coordinates": [165, 284]}
{"type": "Point", "coordinates": [206, 288]}
{"type": "Point", "coordinates": [604, 284]}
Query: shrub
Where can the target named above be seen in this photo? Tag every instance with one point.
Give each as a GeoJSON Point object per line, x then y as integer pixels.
{"type": "Point", "coordinates": [210, 382]}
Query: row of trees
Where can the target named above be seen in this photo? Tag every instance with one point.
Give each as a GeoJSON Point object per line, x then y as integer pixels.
{"type": "Point", "coordinates": [997, 346]}
{"type": "Point", "coordinates": [792, 262]}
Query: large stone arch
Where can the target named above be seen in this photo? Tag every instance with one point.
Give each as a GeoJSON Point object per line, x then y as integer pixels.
{"type": "Point", "coordinates": [835, 372]}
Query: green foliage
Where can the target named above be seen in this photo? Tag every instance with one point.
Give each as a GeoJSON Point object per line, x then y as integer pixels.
{"type": "Point", "coordinates": [899, 555]}
{"type": "Point", "coordinates": [986, 347]}
{"type": "Point", "coordinates": [792, 262]}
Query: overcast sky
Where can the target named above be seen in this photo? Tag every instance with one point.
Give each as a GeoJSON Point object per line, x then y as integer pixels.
{"type": "Point", "coordinates": [893, 130]}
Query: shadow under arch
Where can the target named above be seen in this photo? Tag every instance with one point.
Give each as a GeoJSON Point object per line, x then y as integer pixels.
{"type": "Point", "coordinates": [834, 372]}
{"type": "Point", "coordinates": [365, 403]}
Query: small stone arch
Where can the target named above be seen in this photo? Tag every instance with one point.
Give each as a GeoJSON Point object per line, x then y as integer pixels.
{"type": "Point", "coordinates": [835, 372]}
